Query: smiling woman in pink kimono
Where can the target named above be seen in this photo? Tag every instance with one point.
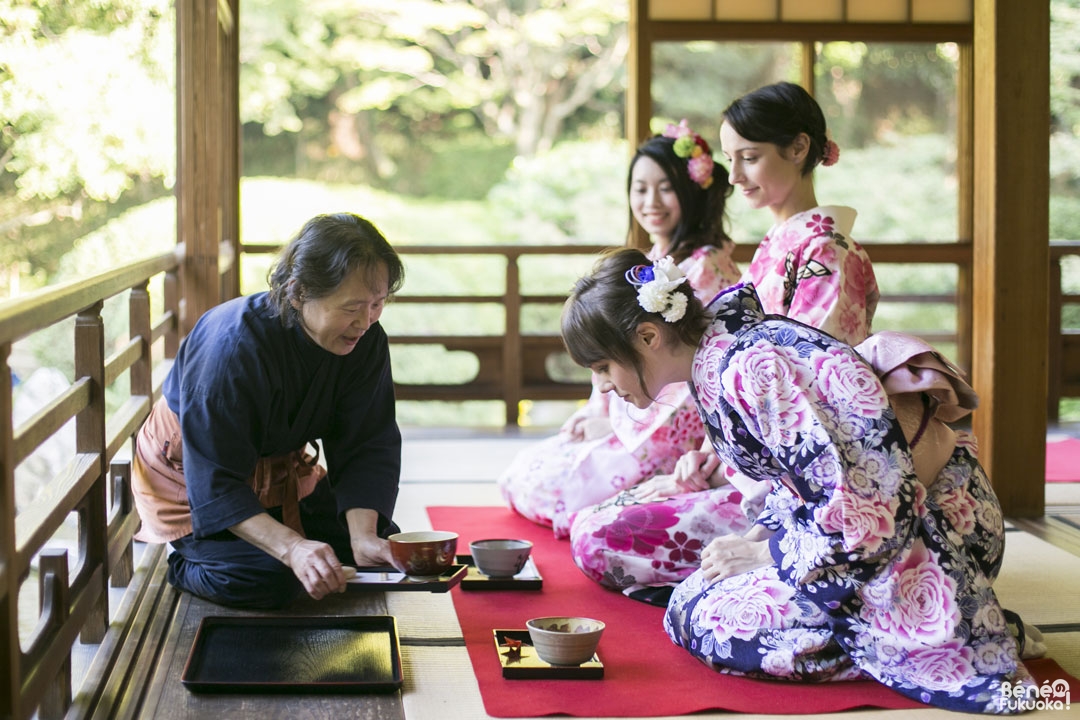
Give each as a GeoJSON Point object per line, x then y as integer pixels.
{"type": "Point", "coordinates": [676, 193]}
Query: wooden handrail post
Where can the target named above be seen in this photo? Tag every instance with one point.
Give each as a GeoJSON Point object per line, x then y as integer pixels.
{"type": "Point", "coordinates": [512, 357]}
{"type": "Point", "coordinates": [90, 439]}
{"type": "Point", "coordinates": [1055, 349]}
{"type": "Point", "coordinates": [54, 603]}
{"type": "Point", "coordinates": [141, 373]}
{"type": "Point", "coordinates": [171, 292]}
{"type": "Point", "coordinates": [10, 652]}
{"type": "Point", "coordinates": [123, 568]}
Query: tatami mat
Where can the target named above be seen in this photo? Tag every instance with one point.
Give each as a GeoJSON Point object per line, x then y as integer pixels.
{"type": "Point", "coordinates": [1039, 581]}
{"type": "Point", "coordinates": [424, 616]}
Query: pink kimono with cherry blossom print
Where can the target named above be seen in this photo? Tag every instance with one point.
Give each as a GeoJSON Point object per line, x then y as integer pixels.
{"type": "Point", "coordinates": [808, 268]}
{"type": "Point", "coordinates": [550, 481]}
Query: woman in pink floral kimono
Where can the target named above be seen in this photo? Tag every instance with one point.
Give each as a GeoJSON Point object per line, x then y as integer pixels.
{"type": "Point", "coordinates": [807, 268]}
{"type": "Point", "coordinates": [676, 193]}
{"type": "Point", "coordinates": [874, 564]}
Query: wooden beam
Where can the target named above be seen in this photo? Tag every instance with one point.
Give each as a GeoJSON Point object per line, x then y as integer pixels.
{"type": "Point", "coordinates": [1011, 253]}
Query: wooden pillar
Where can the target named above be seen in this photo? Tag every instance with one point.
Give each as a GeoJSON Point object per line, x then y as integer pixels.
{"type": "Point", "coordinates": [638, 93]}
{"type": "Point", "coordinates": [90, 440]}
{"type": "Point", "coordinates": [965, 125]}
{"type": "Point", "coordinates": [199, 166]}
{"type": "Point", "coordinates": [231, 147]}
{"type": "Point", "coordinates": [10, 652]}
{"type": "Point", "coordinates": [1011, 253]}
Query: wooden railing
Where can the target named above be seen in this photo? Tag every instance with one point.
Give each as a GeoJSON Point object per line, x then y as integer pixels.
{"type": "Point", "coordinates": [35, 676]}
{"type": "Point", "coordinates": [1063, 358]}
{"type": "Point", "coordinates": [73, 595]}
{"type": "Point", "coordinates": [512, 367]}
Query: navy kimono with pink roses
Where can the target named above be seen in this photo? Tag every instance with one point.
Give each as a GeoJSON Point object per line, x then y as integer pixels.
{"type": "Point", "coordinates": [873, 573]}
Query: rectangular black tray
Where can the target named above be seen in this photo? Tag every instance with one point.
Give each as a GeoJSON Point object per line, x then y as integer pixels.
{"type": "Point", "coordinates": [528, 579]}
{"type": "Point", "coordinates": [295, 655]}
{"type": "Point", "coordinates": [393, 580]}
{"type": "Point", "coordinates": [526, 665]}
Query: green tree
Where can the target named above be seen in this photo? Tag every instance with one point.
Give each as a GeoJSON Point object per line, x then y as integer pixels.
{"type": "Point", "coordinates": [382, 75]}
{"type": "Point", "coordinates": [86, 116]}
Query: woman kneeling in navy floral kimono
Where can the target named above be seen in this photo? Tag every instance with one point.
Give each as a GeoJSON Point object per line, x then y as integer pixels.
{"type": "Point", "coordinates": [869, 560]}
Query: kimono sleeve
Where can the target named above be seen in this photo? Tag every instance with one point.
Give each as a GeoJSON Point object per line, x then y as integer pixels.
{"type": "Point", "coordinates": [220, 454]}
{"type": "Point", "coordinates": [821, 414]}
{"type": "Point", "coordinates": [834, 288]}
{"type": "Point", "coordinates": [363, 452]}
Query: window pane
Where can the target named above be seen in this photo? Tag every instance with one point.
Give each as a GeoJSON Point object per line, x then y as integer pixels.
{"type": "Point", "coordinates": [928, 11]}
{"type": "Point", "coordinates": [877, 10]}
{"type": "Point", "coordinates": [679, 9]}
{"type": "Point", "coordinates": [892, 110]}
{"type": "Point", "coordinates": [812, 10]}
{"type": "Point", "coordinates": [746, 9]}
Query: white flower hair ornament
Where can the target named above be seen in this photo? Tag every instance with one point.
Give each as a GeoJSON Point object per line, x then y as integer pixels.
{"type": "Point", "coordinates": [656, 285]}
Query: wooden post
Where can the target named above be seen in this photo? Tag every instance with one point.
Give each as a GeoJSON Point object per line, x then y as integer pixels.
{"type": "Point", "coordinates": [90, 440]}
{"type": "Point", "coordinates": [1011, 253]}
{"type": "Point", "coordinates": [54, 603]}
{"type": "Point", "coordinates": [199, 154]}
{"type": "Point", "coordinates": [513, 346]}
{"type": "Point", "coordinates": [10, 652]}
{"type": "Point", "coordinates": [231, 147]}
{"type": "Point", "coordinates": [638, 94]}
{"type": "Point", "coordinates": [965, 123]}
{"type": "Point", "coordinates": [123, 568]}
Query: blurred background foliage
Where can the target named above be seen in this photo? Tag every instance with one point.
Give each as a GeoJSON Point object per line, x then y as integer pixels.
{"type": "Point", "coordinates": [454, 122]}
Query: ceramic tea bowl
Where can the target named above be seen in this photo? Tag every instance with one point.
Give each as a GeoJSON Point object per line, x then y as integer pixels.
{"type": "Point", "coordinates": [500, 557]}
{"type": "Point", "coordinates": [564, 640]}
{"type": "Point", "coordinates": [424, 553]}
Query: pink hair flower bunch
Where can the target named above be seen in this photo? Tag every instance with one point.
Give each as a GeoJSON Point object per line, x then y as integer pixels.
{"type": "Point", "coordinates": [692, 147]}
{"type": "Point", "coordinates": [830, 153]}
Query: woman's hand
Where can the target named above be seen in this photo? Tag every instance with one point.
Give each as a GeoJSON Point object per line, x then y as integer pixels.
{"type": "Point", "coordinates": [659, 487]}
{"type": "Point", "coordinates": [317, 567]}
{"type": "Point", "coordinates": [371, 550]}
{"type": "Point", "coordinates": [695, 469]}
{"type": "Point", "coordinates": [730, 555]}
{"type": "Point", "coordinates": [314, 563]}
{"type": "Point", "coordinates": [367, 547]}
{"type": "Point", "coordinates": [581, 429]}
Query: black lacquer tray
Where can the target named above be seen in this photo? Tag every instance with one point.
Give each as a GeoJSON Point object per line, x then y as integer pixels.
{"type": "Point", "coordinates": [528, 579]}
{"type": "Point", "coordinates": [388, 579]}
{"type": "Point", "coordinates": [522, 662]}
{"type": "Point", "coordinates": [295, 655]}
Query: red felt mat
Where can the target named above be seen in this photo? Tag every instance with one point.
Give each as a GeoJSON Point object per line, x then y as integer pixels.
{"type": "Point", "coordinates": [1063, 460]}
{"type": "Point", "coordinates": [645, 674]}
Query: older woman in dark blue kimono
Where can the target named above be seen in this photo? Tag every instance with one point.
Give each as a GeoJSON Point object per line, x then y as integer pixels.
{"type": "Point", "coordinates": [222, 467]}
{"type": "Point", "coordinates": [858, 568]}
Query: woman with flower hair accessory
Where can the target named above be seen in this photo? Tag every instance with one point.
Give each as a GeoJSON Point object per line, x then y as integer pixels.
{"type": "Point", "coordinates": [676, 193]}
{"type": "Point", "coordinates": [807, 268]}
{"type": "Point", "coordinates": [877, 567]}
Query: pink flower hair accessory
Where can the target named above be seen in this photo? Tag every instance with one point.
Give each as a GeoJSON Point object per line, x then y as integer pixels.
{"type": "Point", "coordinates": [692, 147]}
{"type": "Point", "coordinates": [830, 153]}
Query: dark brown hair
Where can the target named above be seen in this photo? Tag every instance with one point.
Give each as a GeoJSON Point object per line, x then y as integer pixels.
{"type": "Point", "coordinates": [777, 114]}
{"type": "Point", "coordinates": [702, 210]}
{"type": "Point", "coordinates": [602, 314]}
{"type": "Point", "coordinates": [325, 251]}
